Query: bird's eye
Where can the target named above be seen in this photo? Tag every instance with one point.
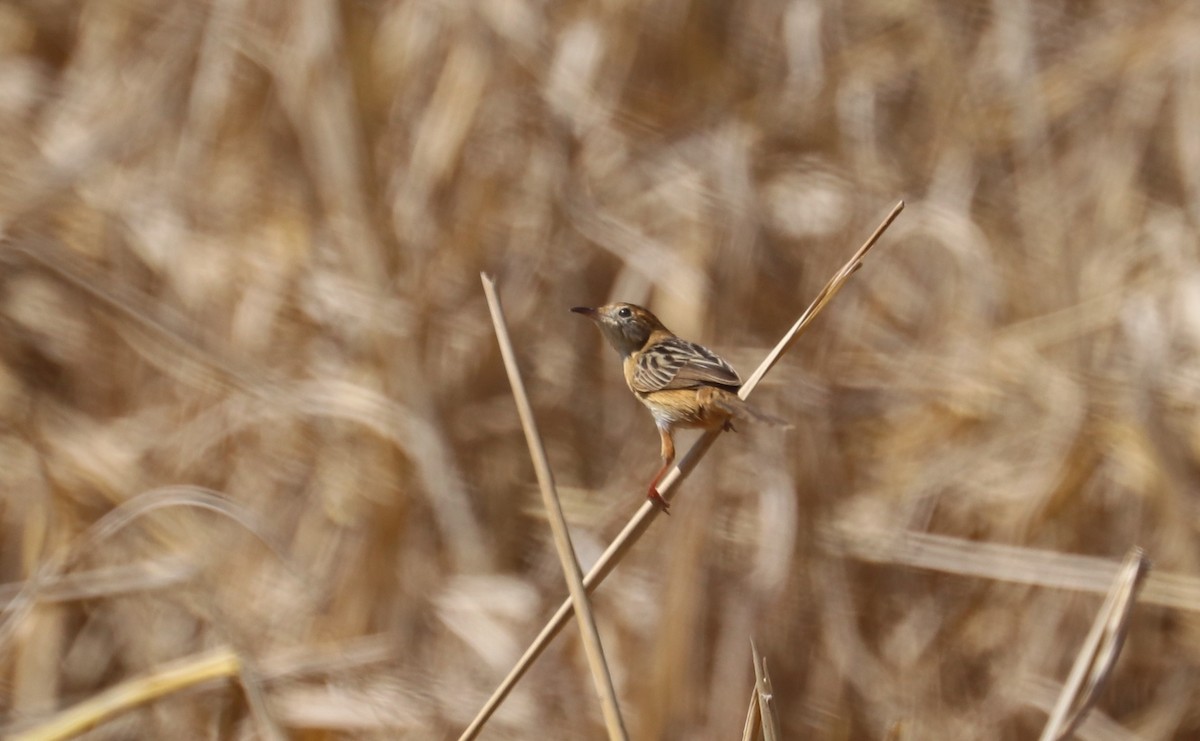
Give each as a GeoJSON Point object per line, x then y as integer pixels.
{"type": "Point", "coordinates": [624, 312]}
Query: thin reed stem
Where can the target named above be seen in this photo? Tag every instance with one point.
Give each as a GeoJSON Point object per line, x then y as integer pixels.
{"type": "Point", "coordinates": [558, 523]}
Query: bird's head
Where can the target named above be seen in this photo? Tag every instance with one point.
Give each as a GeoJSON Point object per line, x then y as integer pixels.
{"type": "Point", "coordinates": [627, 327]}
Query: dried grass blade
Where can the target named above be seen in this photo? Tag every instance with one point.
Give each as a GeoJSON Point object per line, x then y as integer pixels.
{"type": "Point", "coordinates": [641, 520]}
{"type": "Point", "coordinates": [1100, 650]}
{"type": "Point", "coordinates": [824, 297]}
{"type": "Point", "coordinates": [1041, 693]}
{"type": "Point", "coordinates": [558, 523]}
{"type": "Point", "coordinates": [1017, 564]}
{"type": "Point", "coordinates": [765, 695]}
{"type": "Point", "coordinates": [750, 731]}
{"type": "Point", "coordinates": [167, 679]}
{"type": "Point", "coordinates": [205, 671]}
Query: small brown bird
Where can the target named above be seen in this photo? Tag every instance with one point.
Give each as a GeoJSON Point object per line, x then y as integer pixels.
{"type": "Point", "coordinates": [683, 384]}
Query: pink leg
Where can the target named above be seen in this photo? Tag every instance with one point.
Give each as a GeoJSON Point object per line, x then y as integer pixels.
{"type": "Point", "coordinates": [668, 456]}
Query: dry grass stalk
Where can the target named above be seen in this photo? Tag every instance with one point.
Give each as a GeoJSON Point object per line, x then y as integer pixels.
{"type": "Point", "coordinates": [752, 728]}
{"type": "Point", "coordinates": [207, 671]}
{"type": "Point", "coordinates": [167, 679]}
{"type": "Point", "coordinates": [823, 298]}
{"type": "Point", "coordinates": [765, 694]}
{"type": "Point", "coordinates": [1099, 652]}
{"type": "Point", "coordinates": [1015, 564]}
{"type": "Point", "coordinates": [646, 514]}
{"type": "Point", "coordinates": [558, 523]}
{"type": "Point", "coordinates": [1041, 694]}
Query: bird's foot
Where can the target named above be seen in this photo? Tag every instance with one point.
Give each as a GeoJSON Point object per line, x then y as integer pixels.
{"type": "Point", "coordinates": [659, 502]}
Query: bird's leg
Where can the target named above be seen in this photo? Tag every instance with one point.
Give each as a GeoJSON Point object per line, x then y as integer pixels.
{"type": "Point", "coordinates": [652, 493]}
{"type": "Point", "coordinates": [668, 456]}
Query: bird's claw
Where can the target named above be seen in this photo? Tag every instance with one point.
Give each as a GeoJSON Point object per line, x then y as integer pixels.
{"type": "Point", "coordinates": [658, 501]}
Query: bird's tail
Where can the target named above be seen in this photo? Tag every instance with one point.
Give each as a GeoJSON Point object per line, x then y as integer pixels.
{"type": "Point", "coordinates": [739, 408]}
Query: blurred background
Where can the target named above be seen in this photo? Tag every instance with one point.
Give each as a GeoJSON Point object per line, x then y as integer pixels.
{"type": "Point", "coordinates": [250, 396]}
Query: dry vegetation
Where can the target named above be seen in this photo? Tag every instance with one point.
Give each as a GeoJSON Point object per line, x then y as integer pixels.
{"type": "Point", "coordinates": [252, 411]}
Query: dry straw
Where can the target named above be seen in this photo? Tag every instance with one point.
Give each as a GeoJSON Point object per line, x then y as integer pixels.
{"type": "Point", "coordinates": [207, 670]}
{"type": "Point", "coordinates": [178, 675]}
{"type": "Point", "coordinates": [1100, 650]}
{"type": "Point", "coordinates": [558, 523]}
{"type": "Point", "coordinates": [240, 247]}
{"type": "Point", "coordinates": [764, 695]}
{"type": "Point", "coordinates": [646, 514]}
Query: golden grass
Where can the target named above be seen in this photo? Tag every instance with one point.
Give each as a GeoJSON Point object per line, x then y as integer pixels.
{"type": "Point", "coordinates": [188, 672]}
{"type": "Point", "coordinates": [240, 242]}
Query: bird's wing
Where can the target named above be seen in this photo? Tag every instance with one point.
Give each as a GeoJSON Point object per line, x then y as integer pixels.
{"type": "Point", "coordinates": [677, 364]}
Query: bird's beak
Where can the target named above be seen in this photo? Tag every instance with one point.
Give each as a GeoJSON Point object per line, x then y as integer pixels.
{"type": "Point", "coordinates": [587, 311]}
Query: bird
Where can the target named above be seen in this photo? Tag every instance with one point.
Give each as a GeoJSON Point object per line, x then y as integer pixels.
{"type": "Point", "coordinates": [682, 383]}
